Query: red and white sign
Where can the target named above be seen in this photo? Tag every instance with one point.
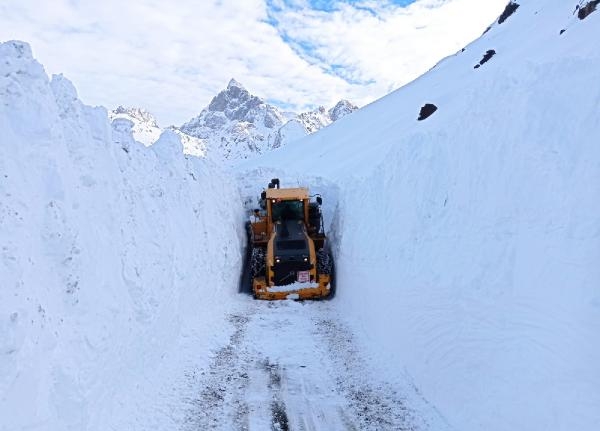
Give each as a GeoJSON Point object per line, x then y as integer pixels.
{"type": "Point", "coordinates": [303, 276]}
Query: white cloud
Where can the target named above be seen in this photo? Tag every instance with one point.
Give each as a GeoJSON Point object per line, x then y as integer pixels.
{"type": "Point", "coordinates": [172, 58]}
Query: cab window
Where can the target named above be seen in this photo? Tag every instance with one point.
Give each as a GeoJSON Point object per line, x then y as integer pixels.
{"type": "Point", "coordinates": [287, 210]}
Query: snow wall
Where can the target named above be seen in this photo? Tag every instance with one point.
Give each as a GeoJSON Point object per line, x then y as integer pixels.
{"type": "Point", "coordinates": [110, 252]}
{"type": "Point", "coordinates": [468, 244]}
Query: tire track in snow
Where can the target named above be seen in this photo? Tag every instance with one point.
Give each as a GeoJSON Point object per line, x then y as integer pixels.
{"type": "Point", "coordinates": [375, 404]}
{"type": "Point", "coordinates": [220, 385]}
{"type": "Point", "coordinates": [292, 366]}
{"type": "Point", "coordinates": [279, 418]}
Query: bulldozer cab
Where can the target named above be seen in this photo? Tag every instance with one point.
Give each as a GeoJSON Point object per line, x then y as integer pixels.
{"type": "Point", "coordinates": [280, 205]}
{"type": "Point", "coordinates": [287, 210]}
{"type": "Point", "coordinates": [287, 204]}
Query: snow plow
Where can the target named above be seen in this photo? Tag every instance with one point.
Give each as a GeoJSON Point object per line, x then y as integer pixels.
{"type": "Point", "coordinates": [288, 254]}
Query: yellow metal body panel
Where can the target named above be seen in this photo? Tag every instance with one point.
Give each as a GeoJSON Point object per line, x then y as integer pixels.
{"type": "Point", "coordinates": [270, 256]}
{"type": "Point", "coordinates": [263, 232]}
{"type": "Point", "coordinates": [288, 194]}
{"type": "Point", "coordinates": [259, 230]}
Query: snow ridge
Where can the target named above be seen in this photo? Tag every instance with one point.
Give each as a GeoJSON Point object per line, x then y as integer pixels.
{"type": "Point", "coordinates": [97, 236]}
{"type": "Point", "coordinates": [467, 244]}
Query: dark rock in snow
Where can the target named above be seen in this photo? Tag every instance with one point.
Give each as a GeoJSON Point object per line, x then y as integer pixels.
{"type": "Point", "coordinates": [508, 11]}
{"type": "Point", "coordinates": [341, 109]}
{"type": "Point", "coordinates": [426, 111]}
{"type": "Point", "coordinates": [587, 9]}
{"type": "Point", "coordinates": [486, 57]}
{"type": "Point", "coordinates": [237, 103]}
{"type": "Point", "coordinates": [562, 31]}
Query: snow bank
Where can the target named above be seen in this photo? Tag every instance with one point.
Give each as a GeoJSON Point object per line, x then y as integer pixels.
{"type": "Point", "coordinates": [467, 245]}
{"type": "Point", "coordinates": [110, 253]}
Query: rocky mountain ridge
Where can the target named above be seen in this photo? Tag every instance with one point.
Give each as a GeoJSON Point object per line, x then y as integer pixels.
{"type": "Point", "coordinates": [239, 125]}
{"type": "Point", "coordinates": [235, 125]}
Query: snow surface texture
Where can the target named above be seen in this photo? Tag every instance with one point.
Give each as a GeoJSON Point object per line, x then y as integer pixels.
{"type": "Point", "coordinates": [112, 255]}
{"type": "Point", "coordinates": [467, 244]}
{"type": "Point", "coordinates": [294, 366]}
{"type": "Point", "coordinates": [238, 125]}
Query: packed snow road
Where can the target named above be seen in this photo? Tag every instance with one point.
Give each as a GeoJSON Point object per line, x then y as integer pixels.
{"type": "Point", "coordinates": [290, 366]}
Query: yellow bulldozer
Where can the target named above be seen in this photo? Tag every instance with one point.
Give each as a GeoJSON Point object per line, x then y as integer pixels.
{"type": "Point", "coordinates": [288, 256]}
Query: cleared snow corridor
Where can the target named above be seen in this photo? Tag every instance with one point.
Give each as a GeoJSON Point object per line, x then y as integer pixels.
{"type": "Point", "coordinates": [293, 365]}
{"type": "Point", "coordinates": [466, 249]}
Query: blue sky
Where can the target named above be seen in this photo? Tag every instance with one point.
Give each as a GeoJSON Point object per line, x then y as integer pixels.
{"type": "Point", "coordinates": [331, 5]}
{"type": "Point", "coordinates": [171, 59]}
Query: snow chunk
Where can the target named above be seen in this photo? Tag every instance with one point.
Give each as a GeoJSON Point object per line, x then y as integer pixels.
{"type": "Point", "coordinates": [65, 94]}
{"type": "Point", "coordinates": [122, 134]}
{"type": "Point", "coordinates": [168, 147]}
{"type": "Point", "coordinates": [293, 287]}
{"type": "Point", "coordinates": [17, 59]}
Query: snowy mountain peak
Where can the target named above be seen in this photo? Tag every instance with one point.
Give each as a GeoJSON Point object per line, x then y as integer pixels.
{"type": "Point", "coordinates": [237, 124]}
{"type": "Point", "coordinates": [237, 104]}
{"type": "Point", "coordinates": [137, 115]}
{"type": "Point", "coordinates": [341, 109]}
{"type": "Point", "coordinates": [320, 117]}
{"type": "Point", "coordinates": [234, 83]}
